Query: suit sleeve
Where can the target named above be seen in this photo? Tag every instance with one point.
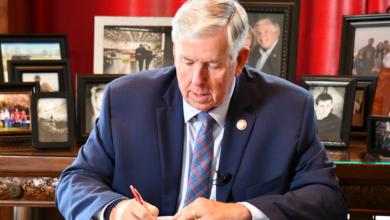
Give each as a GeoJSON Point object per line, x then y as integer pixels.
{"type": "Point", "coordinates": [84, 187]}
{"type": "Point", "coordinates": [314, 191]}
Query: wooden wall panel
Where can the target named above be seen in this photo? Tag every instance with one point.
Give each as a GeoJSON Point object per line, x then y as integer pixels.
{"type": "Point", "coordinates": [3, 16]}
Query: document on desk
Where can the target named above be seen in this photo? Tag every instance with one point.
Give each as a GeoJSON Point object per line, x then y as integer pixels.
{"type": "Point", "coordinates": [165, 218]}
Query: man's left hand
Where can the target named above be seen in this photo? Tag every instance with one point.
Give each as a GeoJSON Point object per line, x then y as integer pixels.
{"type": "Point", "coordinates": [203, 208]}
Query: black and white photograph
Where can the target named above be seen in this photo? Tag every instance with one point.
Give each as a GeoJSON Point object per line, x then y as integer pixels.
{"type": "Point", "coordinates": [371, 50]}
{"type": "Point", "coordinates": [378, 135]}
{"type": "Point", "coordinates": [93, 102]}
{"type": "Point", "coordinates": [264, 42]}
{"type": "Point", "coordinates": [328, 105]}
{"type": "Point", "coordinates": [15, 112]}
{"type": "Point", "coordinates": [52, 120]}
{"type": "Point", "coordinates": [47, 81]}
{"type": "Point", "coordinates": [382, 135]}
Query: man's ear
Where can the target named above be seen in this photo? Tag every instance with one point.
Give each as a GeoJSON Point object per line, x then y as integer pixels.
{"type": "Point", "coordinates": [242, 59]}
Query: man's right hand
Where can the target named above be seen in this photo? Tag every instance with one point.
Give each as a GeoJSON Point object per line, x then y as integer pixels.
{"type": "Point", "coordinates": [131, 209]}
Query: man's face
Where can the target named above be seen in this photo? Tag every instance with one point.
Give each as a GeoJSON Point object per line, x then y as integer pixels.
{"type": "Point", "coordinates": [324, 108]}
{"type": "Point", "coordinates": [205, 70]}
{"type": "Point", "coordinates": [371, 42]}
{"type": "Point", "coordinates": [265, 35]}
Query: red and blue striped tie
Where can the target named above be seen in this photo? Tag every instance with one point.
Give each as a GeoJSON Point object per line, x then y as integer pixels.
{"type": "Point", "coordinates": [199, 178]}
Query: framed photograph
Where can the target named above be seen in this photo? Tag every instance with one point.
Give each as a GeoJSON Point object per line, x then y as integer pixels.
{"type": "Point", "coordinates": [362, 107]}
{"type": "Point", "coordinates": [333, 103]}
{"type": "Point", "coordinates": [124, 45]}
{"type": "Point", "coordinates": [15, 110]}
{"type": "Point", "coordinates": [273, 36]}
{"type": "Point", "coordinates": [53, 120]}
{"type": "Point", "coordinates": [378, 135]}
{"type": "Point", "coordinates": [89, 97]}
{"type": "Point", "coordinates": [52, 75]}
{"type": "Point", "coordinates": [364, 44]}
{"type": "Point", "coordinates": [31, 47]}
{"type": "Point", "coordinates": [382, 97]}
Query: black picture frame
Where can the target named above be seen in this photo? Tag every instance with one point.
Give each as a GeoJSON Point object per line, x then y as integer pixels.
{"type": "Point", "coordinates": [16, 69]}
{"type": "Point", "coordinates": [37, 39]}
{"type": "Point", "coordinates": [376, 142]}
{"type": "Point", "coordinates": [84, 107]}
{"type": "Point", "coordinates": [290, 9]}
{"type": "Point", "coordinates": [366, 84]}
{"type": "Point", "coordinates": [18, 87]}
{"type": "Point", "coordinates": [349, 85]}
{"type": "Point", "coordinates": [349, 38]}
{"type": "Point", "coordinates": [47, 130]}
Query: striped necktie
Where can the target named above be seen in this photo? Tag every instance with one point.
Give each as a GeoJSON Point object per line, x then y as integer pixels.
{"type": "Point", "coordinates": [199, 177]}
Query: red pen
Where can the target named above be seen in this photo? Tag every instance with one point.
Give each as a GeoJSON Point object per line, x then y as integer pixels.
{"type": "Point", "coordinates": [137, 196]}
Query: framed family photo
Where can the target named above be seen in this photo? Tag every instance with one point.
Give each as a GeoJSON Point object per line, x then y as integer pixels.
{"type": "Point", "coordinates": [124, 45]}
{"type": "Point", "coordinates": [90, 90]}
{"type": "Point", "coordinates": [273, 36]}
{"type": "Point", "coordinates": [53, 120]}
{"type": "Point", "coordinates": [379, 135]}
{"type": "Point", "coordinates": [52, 75]}
{"type": "Point", "coordinates": [31, 47]}
{"type": "Point", "coordinates": [15, 110]}
{"type": "Point", "coordinates": [364, 44]}
{"type": "Point", "coordinates": [333, 104]}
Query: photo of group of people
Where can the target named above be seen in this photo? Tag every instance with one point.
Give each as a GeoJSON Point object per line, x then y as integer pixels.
{"type": "Point", "coordinates": [382, 135]}
{"type": "Point", "coordinates": [47, 81]}
{"type": "Point", "coordinates": [328, 105]}
{"type": "Point", "coordinates": [129, 49]}
{"type": "Point", "coordinates": [264, 42]}
{"type": "Point", "coordinates": [371, 51]}
{"type": "Point", "coordinates": [14, 112]}
{"type": "Point", "coordinates": [52, 120]}
{"type": "Point", "coordinates": [28, 51]}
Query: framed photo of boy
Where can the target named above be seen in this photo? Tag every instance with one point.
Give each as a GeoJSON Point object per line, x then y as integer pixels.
{"type": "Point", "coordinates": [273, 36]}
{"type": "Point", "coordinates": [53, 120]}
{"type": "Point", "coordinates": [333, 104]}
{"type": "Point", "coordinates": [15, 110]}
{"type": "Point", "coordinates": [31, 47]}
{"type": "Point", "coordinates": [364, 44]}
{"type": "Point", "coordinates": [124, 45]}
{"type": "Point", "coordinates": [378, 135]}
{"type": "Point", "coordinates": [89, 97]}
{"type": "Point", "coordinates": [52, 75]}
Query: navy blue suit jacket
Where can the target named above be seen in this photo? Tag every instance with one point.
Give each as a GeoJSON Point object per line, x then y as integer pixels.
{"type": "Point", "coordinates": [277, 163]}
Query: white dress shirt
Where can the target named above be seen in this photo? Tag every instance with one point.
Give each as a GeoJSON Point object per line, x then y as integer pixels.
{"type": "Point", "coordinates": [191, 130]}
{"type": "Point", "coordinates": [264, 56]}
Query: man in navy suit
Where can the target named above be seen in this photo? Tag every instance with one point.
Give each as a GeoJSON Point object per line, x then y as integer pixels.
{"type": "Point", "coordinates": [275, 165]}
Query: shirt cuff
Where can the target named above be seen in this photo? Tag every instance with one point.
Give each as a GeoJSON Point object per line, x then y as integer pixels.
{"type": "Point", "coordinates": [256, 213]}
{"type": "Point", "coordinates": [99, 215]}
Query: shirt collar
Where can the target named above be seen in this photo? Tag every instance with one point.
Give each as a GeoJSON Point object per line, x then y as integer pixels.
{"type": "Point", "coordinates": [270, 49]}
{"type": "Point", "coordinates": [219, 113]}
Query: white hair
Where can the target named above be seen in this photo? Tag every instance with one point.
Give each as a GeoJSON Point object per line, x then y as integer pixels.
{"type": "Point", "coordinates": [197, 18]}
{"type": "Point", "coordinates": [274, 24]}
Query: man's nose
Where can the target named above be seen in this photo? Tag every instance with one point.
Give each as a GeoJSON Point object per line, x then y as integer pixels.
{"type": "Point", "coordinates": [199, 77]}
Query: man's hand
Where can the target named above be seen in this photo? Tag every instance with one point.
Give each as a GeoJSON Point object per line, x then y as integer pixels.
{"type": "Point", "coordinates": [203, 208]}
{"type": "Point", "coordinates": [131, 209]}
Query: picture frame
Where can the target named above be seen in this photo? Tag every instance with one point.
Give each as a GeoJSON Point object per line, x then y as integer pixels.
{"type": "Point", "coordinates": [53, 120]}
{"type": "Point", "coordinates": [333, 103]}
{"type": "Point", "coordinates": [16, 97]}
{"type": "Point", "coordinates": [34, 46]}
{"type": "Point", "coordinates": [54, 75]}
{"type": "Point", "coordinates": [382, 99]}
{"type": "Point", "coordinates": [283, 57]}
{"type": "Point", "coordinates": [356, 34]}
{"type": "Point", "coordinates": [378, 141]}
{"type": "Point", "coordinates": [90, 89]}
{"type": "Point", "coordinates": [116, 40]}
{"type": "Point", "coordinates": [364, 101]}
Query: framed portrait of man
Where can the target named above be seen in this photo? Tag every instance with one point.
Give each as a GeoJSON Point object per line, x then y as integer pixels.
{"type": "Point", "coordinates": [378, 135]}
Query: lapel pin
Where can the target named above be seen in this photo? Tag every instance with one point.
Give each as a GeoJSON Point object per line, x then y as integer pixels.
{"type": "Point", "coordinates": [241, 124]}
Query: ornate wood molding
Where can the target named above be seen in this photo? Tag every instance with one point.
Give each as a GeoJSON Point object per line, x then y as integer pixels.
{"type": "Point", "coordinates": [367, 196]}
{"type": "Point", "coordinates": [31, 188]}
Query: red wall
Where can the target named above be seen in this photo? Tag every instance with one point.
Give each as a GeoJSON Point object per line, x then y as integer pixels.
{"type": "Point", "coordinates": [319, 33]}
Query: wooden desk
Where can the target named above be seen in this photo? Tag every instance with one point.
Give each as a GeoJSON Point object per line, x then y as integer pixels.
{"type": "Point", "coordinates": [366, 182]}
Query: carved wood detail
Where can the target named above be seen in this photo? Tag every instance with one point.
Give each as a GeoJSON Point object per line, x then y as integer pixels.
{"type": "Point", "coordinates": [367, 196]}
{"type": "Point", "coordinates": [33, 188]}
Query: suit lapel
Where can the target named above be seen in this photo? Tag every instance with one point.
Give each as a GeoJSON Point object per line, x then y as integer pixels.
{"type": "Point", "coordinates": [234, 140]}
{"type": "Point", "coordinates": [170, 123]}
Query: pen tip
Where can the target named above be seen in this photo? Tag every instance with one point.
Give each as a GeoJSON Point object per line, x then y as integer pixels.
{"type": "Point", "coordinates": [131, 186]}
